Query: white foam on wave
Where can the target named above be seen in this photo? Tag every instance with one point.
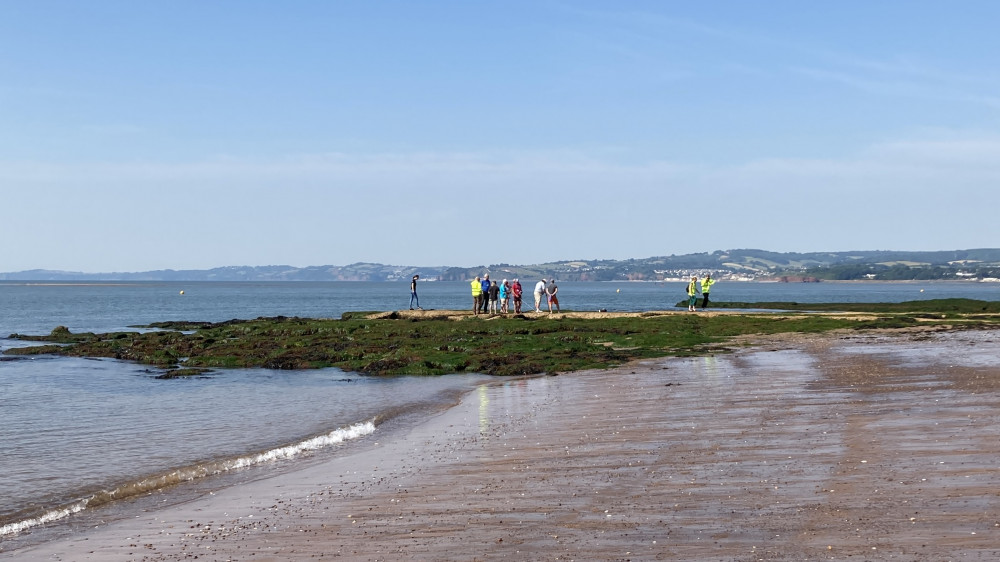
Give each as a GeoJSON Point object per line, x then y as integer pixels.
{"type": "Point", "coordinates": [54, 515]}
{"type": "Point", "coordinates": [193, 472]}
{"type": "Point", "coordinates": [318, 442]}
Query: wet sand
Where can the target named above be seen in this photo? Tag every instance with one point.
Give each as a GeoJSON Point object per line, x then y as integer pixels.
{"type": "Point", "coordinates": [842, 446]}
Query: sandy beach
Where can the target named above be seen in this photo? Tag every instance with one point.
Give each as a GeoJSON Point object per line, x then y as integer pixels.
{"type": "Point", "coordinates": [834, 447]}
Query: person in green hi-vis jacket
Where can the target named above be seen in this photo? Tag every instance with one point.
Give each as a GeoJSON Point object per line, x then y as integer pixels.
{"type": "Point", "coordinates": [706, 286]}
{"type": "Point", "coordinates": [692, 292]}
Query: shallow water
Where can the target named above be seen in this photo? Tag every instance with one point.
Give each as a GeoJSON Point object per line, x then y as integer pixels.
{"type": "Point", "coordinates": [80, 432]}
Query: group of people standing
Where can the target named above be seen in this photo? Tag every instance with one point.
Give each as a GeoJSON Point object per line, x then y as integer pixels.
{"type": "Point", "coordinates": [549, 290]}
{"type": "Point", "coordinates": [490, 297]}
{"type": "Point", "coordinates": [693, 289]}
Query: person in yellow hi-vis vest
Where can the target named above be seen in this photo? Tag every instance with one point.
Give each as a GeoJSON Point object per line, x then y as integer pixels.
{"type": "Point", "coordinates": [706, 286]}
{"type": "Point", "coordinates": [692, 292]}
{"type": "Point", "coordinates": [477, 295]}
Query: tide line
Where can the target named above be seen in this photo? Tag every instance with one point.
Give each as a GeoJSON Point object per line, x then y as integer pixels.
{"type": "Point", "coordinates": [188, 473]}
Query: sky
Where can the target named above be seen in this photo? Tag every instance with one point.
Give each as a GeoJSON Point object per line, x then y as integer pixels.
{"type": "Point", "coordinates": [186, 134]}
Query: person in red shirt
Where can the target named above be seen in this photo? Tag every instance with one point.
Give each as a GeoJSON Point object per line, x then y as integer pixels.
{"type": "Point", "coordinates": [516, 290]}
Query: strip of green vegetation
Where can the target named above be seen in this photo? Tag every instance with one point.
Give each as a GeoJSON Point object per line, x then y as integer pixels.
{"type": "Point", "coordinates": [515, 345]}
{"type": "Point", "coordinates": [954, 306]}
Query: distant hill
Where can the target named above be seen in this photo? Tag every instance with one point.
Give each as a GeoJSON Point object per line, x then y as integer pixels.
{"type": "Point", "coordinates": [353, 272]}
{"type": "Point", "coordinates": [744, 264]}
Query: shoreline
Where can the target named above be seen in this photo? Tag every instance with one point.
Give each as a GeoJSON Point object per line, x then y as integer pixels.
{"type": "Point", "coordinates": [829, 445]}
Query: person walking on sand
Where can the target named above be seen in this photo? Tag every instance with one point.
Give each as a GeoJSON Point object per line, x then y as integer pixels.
{"type": "Point", "coordinates": [517, 290]}
{"type": "Point", "coordinates": [551, 290]}
{"type": "Point", "coordinates": [539, 290]}
{"type": "Point", "coordinates": [413, 292]}
{"type": "Point", "coordinates": [692, 292]}
{"type": "Point", "coordinates": [486, 293]}
{"type": "Point", "coordinates": [504, 296]}
{"type": "Point", "coordinates": [706, 286]}
{"type": "Point", "coordinates": [477, 294]}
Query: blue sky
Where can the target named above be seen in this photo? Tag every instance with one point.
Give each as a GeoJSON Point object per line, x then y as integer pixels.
{"type": "Point", "coordinates": [189, 135]}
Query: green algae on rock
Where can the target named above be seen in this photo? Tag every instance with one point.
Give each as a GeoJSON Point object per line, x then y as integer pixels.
{"type": "Point", "coordinates": [443, 342]}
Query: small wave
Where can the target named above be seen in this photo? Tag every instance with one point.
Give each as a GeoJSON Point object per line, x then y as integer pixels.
{"type": "Point", "coordinates": [189, 473]}
{"type": "Point", "coordinates": [48, 517]}
{"type": "Point", "coordinates": [333, 438]}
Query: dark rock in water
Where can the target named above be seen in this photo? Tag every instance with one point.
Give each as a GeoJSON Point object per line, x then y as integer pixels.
{"type": "Point", "coordinates": [181, 373]}
{"type": "Point", "coordinates": [798, 279]}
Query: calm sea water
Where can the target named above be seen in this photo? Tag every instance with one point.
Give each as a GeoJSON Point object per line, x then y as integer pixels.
{"type": "Point", "coordinates": [76, 435]}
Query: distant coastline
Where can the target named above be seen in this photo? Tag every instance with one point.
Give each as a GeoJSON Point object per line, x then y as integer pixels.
{"type": "Point", "coordinates": [725, 265]}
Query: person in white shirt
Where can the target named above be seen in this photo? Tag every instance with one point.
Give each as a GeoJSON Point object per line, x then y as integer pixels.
{"type": "Point", "coordinates": [539, 291]}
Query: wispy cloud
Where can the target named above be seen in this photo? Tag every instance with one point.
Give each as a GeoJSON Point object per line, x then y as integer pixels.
{"type": "Point", "coordinates": [596, 204]}
{"type": "Point", "coordinates": [908, 66]}
{"type": "Point", "coordinates": [441, 175]}
{"type": "Point", "coordinates": [971, 160]}
{"type": "Point", "coordinates": [642, 36]}
{"type": "Point", "coordinates": [902, 85]}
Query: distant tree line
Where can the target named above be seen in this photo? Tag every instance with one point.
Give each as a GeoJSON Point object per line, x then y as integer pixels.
{"type": "Point", "coordinates": [900, 272]}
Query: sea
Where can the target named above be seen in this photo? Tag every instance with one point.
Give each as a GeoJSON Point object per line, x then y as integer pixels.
{"type": "Point", "coordinates": [84, 441]}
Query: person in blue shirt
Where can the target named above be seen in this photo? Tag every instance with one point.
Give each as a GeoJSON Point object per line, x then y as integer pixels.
{"type": "Point", "coordinates": [504, 296]}
{"type": "Point", "coordinates": [485, 284]}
